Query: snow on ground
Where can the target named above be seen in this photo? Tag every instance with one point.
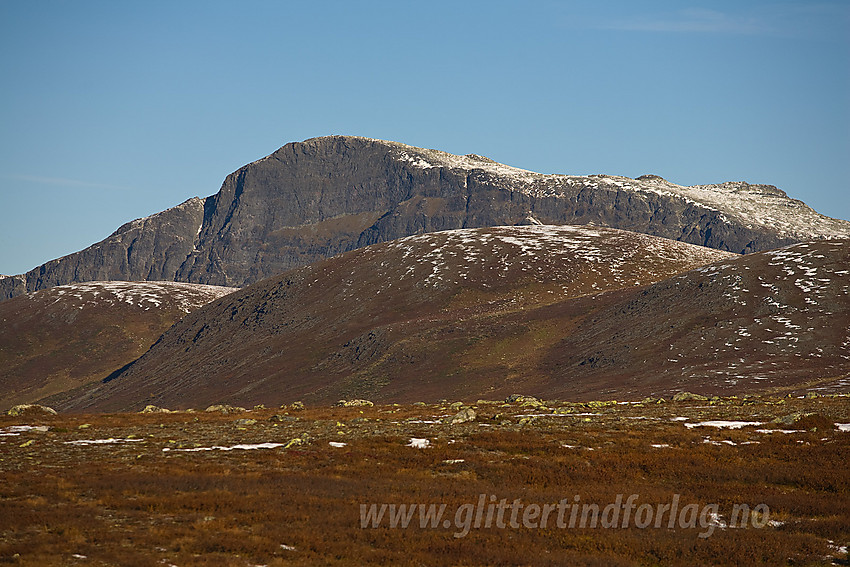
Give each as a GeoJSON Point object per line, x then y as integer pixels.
{"type": "Point", "coordinates": [723, 424]}
{"type": "Point", "coordinates": [754, 205]}
{"type": "Point", "coordinates": [244, 447]}
{"type": "Point", "coordinates": [788, 308]}
{"type": "Point", "coordinates": [546, 253]}
{"type": "Point", "coordinates": [429, 159]}
{"type": "Point", "coordinates": [148, 295]}
{"type": "Point", "coordinates": [417, 443]}
{"type": "Point", "coordinates": [722, 442]}
{"type": "Point", "coordinates": [109, 441]}
{"type": "Point", "coordinates": [15, 430]}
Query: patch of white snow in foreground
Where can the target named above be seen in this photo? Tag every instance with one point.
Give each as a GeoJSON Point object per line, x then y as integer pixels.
{"type": "Point", "coordinates": [18, 429]}
{"type": "Point", "coordinates": [247, 447]}
{"type": "Point", "coordinates": [723, 442]}
{"type": "Point", "coordinates": [723, 424]}
{"type": "Point", "coordinates": [109, 441]}
{"type": "Point", "coordinates": [418, 443]}
{"type": "Point", "coordinates": [337, 444]}
{"type": "Point", "coordinates": [843, 426]}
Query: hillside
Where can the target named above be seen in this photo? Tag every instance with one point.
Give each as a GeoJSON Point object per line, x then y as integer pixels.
{"type": "Point", "coordinates": [482, 313]}
{"type": "Point", "coordinates": [58, 339]}
{"type": "Point", "coordinates": [772, 321]}
{"type": "Point", "coordinates": [443, 314]}
{"type": "Point", "coordinates": [314, 199]}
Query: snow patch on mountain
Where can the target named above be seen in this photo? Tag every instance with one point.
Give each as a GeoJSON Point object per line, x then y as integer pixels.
{"type": "Point", "coordinates": [147, 295]}
{"type": "Point", "coordinates": [774, 306]}
{"type": "Point", "coordinates": [547, 253]}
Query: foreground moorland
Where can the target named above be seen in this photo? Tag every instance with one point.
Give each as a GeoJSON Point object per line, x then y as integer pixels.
{"type": "Point", "coordinates": [766, 483]}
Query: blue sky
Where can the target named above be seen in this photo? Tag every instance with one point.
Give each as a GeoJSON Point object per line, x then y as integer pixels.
{"type": "Point", "coordinates": [111, 111]}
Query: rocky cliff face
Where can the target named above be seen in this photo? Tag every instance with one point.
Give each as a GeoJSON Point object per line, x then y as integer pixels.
{"type": "Point", "coordinates": [148, 249]}
{"type": "Point", "coordinates": [318, 198]}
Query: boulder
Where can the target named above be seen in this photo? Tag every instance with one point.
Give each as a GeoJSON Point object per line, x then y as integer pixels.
{"type": "Point", "coordinates": [225, 408]}
{"type": "Point", "coordinates": [154, 409]}
{"type": "Point", "coordinates": [354, 403]}
{"type": "Point", "coordinates": [689, 397]}
{"type": "Point", "coordinates": [30, 409]}
{"type": "Point", "coordinates": [463, 416]}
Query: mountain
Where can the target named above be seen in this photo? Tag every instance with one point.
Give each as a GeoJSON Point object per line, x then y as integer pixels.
{"type": "Point", "coordinates": [315, 199]}
{"type": "Point", "coordinates": [458, 313]}
{"type": "Point", "coordinates": [61, 338]}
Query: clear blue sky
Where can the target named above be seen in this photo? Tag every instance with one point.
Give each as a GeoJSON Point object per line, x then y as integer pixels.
{"type": "Point", "coordinates": [114, 110]}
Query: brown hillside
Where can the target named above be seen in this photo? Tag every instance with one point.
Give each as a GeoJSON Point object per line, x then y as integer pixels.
{"type": "Point", "coordinates": [58, 339]}
{"type": "Point", "coordinates": [772, 320]}
{"type": "Point", "coordinates": [450, 314]}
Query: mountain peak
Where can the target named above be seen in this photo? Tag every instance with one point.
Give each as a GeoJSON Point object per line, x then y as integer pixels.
{"type": "Point", "coordinates": [324, 196]}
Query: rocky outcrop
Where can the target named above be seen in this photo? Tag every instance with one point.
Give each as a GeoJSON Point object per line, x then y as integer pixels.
{"type": "Point", "coordinates": [30, 410]}
{"type": "Point", "coordinates": [315, 199]}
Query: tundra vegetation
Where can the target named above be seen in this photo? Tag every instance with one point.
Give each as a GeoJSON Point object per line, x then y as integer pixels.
{"type": "Point", "coordinates": [284, 486]}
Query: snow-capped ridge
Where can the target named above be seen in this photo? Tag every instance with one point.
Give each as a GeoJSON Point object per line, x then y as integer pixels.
{"type": "Point", "coordinates": [146, 295]}
{"type": "Point", "coordinates": [756, 205]}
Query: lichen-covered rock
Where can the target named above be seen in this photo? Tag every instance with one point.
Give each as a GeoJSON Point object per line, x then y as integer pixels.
{"type": "Point", "coordinates": [154, 409]}
{"type": "Point", "coordinates": [805, 420]}
{"type": "Point", "coordinates": [225, 408]}
{"type": "Point", "coordinates": [277, 418]}
{"type": "Point", "coordinates": [596, 404]}
{"type": "Point", "coordinates": [463, 416]}
{"type": "Point", "coordinates": [30, 409]}
{"type": "Point", "coordinates": [354, 403]}
{"type": "Point", "coordinates": [689, 396]}
{"type": "Point", "coordinates": [521, 400]}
